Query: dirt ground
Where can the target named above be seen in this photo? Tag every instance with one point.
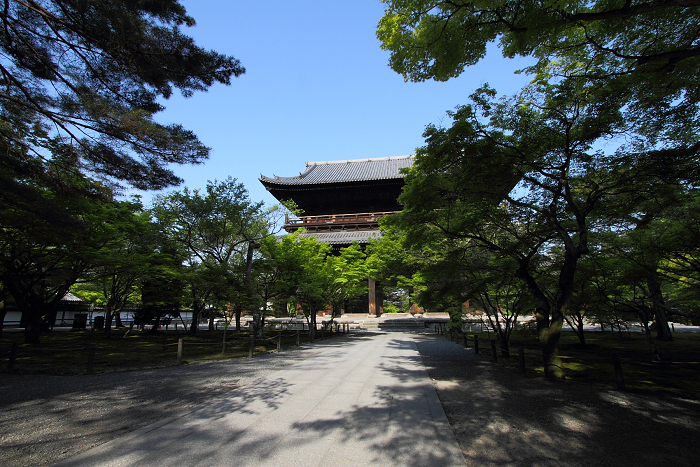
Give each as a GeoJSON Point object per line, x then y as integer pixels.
{"type": "Point", "coordinates": [502, 418]}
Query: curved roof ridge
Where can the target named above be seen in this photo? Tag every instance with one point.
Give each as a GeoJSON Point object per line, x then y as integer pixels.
{"type": "Point", "coordinates": [301, 175]}
{"type": "Point", "coordinates": [353, 170]}
{"type": "Point", "coordinates": [350, 161]}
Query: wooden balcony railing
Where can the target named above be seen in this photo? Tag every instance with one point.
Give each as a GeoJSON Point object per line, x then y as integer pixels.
{"type": "Point", "coordinates": [335, 221]}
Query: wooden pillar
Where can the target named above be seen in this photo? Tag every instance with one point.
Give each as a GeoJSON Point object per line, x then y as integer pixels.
{"type": "Point", "coordinates": [372, 285]}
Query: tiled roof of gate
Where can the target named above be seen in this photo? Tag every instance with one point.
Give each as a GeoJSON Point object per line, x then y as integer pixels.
{"type": "Point", "coordinates": [383, 168]}
{"type": "Point", "coordinates": [69, 297]}
{"type": "Point", "coordinates": [345, 237]}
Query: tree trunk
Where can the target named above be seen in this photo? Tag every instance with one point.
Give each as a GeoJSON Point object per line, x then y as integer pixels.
{"type": "Point", "coordinates": [312, 325]}
{"type": "Point", "coordinates": [663, 331]}
{"type": "Point", "coordinates": [32, 328]}
{"type": "Point", "coordinates": [156, 325]}
{"type": "Point", "coordinates": [505, 348]}
{"type": "Point", "coordinates": [4, 295]}
{"type": "Point", "coordinates": [109, 315]}
{"type": "Point", "coordinates": [197, 308]}
{"type": "Point", "coordinates": [258, 325]}
{"type": "Point", "coordinates": [581, 335]}
{"type": "Point", "coordinates": [3, 313]}
{"type": "Point", "coordinates": [547, 333]}
{"type": "Point", "coordinates": [49, 320]}
{"type": "Point", "coordinates": [655, 357]}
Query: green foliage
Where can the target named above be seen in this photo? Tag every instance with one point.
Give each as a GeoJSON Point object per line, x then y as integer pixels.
{"type": "Point", "coordinates": [519, 178]}
{"type": "Point", "coordinates": [219, 230]}
{"type": "Point", "coordinates": [391, 308]}
{"type": "Point", "coordinates": [525, 179]}
{"type": "Point", "coordinates": [648, 48]}
{"type": "Point", "coordinates": [43, 256]}
{"type": "Point", "coordinates": [123, 262]}
{"type": "Point", "coordinates": [315, 277]}
{"type": "Point", "coordinates": [82, 81]}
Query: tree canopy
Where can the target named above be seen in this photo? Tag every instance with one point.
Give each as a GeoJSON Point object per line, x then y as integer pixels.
{"type": "Point", "coordinates": [438, 39]}
{"type": "Point", "coordinates": [80, 83]}
{"type": "Point", "coordinates": [648, 51]}
{"type": "Point", "coordinates": [219, 229]}
{"type": "Point", "coordinates": [521, 178]}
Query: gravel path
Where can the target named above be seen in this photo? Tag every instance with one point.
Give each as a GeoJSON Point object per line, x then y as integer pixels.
{"type": "Point", "coordinates": [44, 419]}
{"type": "Point", "coordinates": [499, 417]}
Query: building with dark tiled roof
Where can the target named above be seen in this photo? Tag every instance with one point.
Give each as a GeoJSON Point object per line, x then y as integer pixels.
{"type": "Point", "coordinates": [342, 201]}
{"type": "Point", "coordinates": [348, 195]}
{"type": "Point", "coordinates": [343, 187]}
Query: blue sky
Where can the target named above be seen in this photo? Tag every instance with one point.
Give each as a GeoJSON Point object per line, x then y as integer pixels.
{"type": "Point", "coordinates": [317, 87]}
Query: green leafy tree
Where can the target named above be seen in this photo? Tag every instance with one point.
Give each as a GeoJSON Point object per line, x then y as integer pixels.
{"type": "Point", "coordinates": [348, 273]}
{"type": "Point", "coordinates": [162, 289]}
{"type": "Point", "coordinates": [392, 263]}
{"type": "Point", "coordinates": [316, 278]}
{"type": "Point", "coordinates": [647, 49]}
{"type": "Point", "coordinates": [81, 82]}
{"type": "Point", "coordinates": [490, 283]}
{"type": "Point", "coordinates": [120, 263]}
{"type": "Point", "coordinates": [269, 280]}
{"type": "Point", "coordinates": [203, 281]}
{"type": "Point", "coordinates": [42, 257]}
{"type": "Point", "coordinates": [220, 228]}
{"type": "Point", "coordinates": [302, 260]}
{"type": "Point", "coordinates": [677, 239]}
{"type": "Point", "coordinates": [519, 177]}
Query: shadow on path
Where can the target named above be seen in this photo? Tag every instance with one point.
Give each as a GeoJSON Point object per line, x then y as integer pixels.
{"type": "Point", "coordinates": [502, 418]}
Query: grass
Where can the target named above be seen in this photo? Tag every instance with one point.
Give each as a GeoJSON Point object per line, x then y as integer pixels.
{"type": "Point", "coordinates": [678, 373]}
{"type": "Point", "coordinates": [66, 352]}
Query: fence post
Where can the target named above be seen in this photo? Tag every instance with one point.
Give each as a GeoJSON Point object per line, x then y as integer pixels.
{"type": "Point", "coordinates": [465, 340]}
{"type": "Point", "coordinates": [521, 359]}
{"type": "Point", "coordinates": [91, 358]}
{"type": "Point", "coordinates": [13, 356]}
{"type": "Point", "coordinates": [279, 341]}
{"type": "Point", "coordinates": [251, 346]}
{"type": "Point", "coordinates": [451, 337]}
{"type": "Point", "coordinates": [476, 344]}
{"type": "Point", "coordinates": [298, 333]}
{"type": "Point", "coordinates": [493, 350]}
{"type": "Point", "coordinates": [323, 330]}
{"type": "Point", "coordinates": [619, 378]}
{"type": "Point", "coordinates": [180, 345]}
